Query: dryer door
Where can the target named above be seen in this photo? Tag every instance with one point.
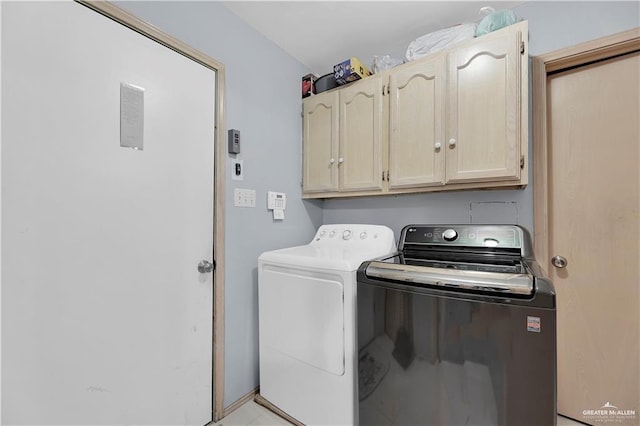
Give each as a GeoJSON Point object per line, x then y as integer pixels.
{"type": "Point", "coordinates": [302, 316]}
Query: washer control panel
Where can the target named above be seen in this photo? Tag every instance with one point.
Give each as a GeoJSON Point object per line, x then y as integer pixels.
{"type": "Point", "coordinates": [508, 236]}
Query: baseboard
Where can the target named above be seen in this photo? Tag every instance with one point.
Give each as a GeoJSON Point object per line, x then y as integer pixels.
{"type": "Point", "coordinates": [240, 402]}
{"type": "Point", "coordinates": [259, 399]}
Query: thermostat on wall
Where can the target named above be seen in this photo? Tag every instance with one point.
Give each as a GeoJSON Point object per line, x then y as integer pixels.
{"type": "Point", "coordinates": [234, 141]}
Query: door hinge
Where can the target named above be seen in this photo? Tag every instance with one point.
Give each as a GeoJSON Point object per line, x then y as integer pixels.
{"type": "Point", "coordinates": [522, 47]}
{"type": "Point", "coordinates": [522, 161]}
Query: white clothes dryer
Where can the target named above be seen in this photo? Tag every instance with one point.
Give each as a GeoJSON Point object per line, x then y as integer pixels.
{"type": "Point", "coordinates": [307, 303]}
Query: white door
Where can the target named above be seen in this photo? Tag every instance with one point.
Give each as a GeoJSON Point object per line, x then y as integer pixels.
{"type": "Point", "coordinates": [105, 318]}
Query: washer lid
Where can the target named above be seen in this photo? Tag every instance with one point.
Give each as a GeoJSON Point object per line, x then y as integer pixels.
{"type": "Point", "coordinates": [329, 258]}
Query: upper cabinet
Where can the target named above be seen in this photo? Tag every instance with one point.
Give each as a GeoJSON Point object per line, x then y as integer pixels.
{"type": "Point", "coordinates": [456, 119]}
{"type": "Point", "coordinates": [361, 134]}
{"type": "Point", "coordinates": [342, 140]}
{"type": "Point", "coordinates": [320, 143]}
{"type": "Point", "coordinates": [485, 101]}
{"type": "Point", "coordinates": [416, 124]}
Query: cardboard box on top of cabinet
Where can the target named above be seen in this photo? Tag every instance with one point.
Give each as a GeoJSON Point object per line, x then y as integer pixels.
{"type": "Point", "coordinates": [350, 70]}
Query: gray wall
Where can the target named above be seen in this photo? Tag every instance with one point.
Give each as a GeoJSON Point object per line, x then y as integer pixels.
{"type": "Point", "coordinates": [263, 102]}
{"type": "Point", "coordinates": [552, 26]}
{"type": "Point", "coordinates": [555, 25]}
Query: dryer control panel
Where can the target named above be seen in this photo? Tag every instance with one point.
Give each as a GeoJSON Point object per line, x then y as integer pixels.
{"type": "Point", "coordinates": [354, 235]}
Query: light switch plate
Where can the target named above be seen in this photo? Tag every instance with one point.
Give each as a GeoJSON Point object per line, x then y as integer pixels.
{"type": "Point", "coordinates": [244, 197]}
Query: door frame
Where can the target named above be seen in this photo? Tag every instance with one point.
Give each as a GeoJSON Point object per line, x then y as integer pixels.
{"type": "Point", "coordinates": [119, 15]}
{"type": "Point", "coordinates": [543, 66]}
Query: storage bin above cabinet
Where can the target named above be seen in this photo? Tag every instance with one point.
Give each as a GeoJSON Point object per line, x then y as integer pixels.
{"type": "Point", "coordinates": [453, 120]}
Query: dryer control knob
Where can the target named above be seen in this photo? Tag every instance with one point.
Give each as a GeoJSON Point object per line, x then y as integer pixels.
{"type": "Point", "coordinates": [363, 235]}
{"type": "Point", "coordinates": [332, 234]}
{"type": "Point", "coordinates": [346, 235]}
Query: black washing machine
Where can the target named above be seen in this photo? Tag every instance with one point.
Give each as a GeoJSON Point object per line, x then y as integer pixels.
{"type": "Point", "coordinates": [457, 328]}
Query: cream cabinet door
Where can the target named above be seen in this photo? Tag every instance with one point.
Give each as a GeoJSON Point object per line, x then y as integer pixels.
{"type": "Point", "coordinates": [416, 140]}
{"type": "Point", "coordinates": [320, 143]}
{"type": "Point", "coordinates": [361, 133]}
{"type": "Point", "coordinates": [484, 130]}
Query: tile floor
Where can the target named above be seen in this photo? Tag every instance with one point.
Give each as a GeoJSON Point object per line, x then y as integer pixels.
{"type": "Point", "coordinates": [252, 414]}
{"type": "Point", "coordinates": [256, 415]}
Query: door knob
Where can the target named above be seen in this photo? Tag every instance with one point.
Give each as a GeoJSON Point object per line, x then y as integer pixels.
{"type": "Point", "coordinates": [205, 266]}
{"type": "Point", "coordinates": [437, 145]}
{"type": "Point", "coordinates": [559, 261]}
{"type": "Point", "coordinates": [452, 142]}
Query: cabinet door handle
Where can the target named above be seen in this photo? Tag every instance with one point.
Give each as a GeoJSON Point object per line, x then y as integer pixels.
{"type": "Point", "coordinates": [340, 160]}
{"type": "Point", "coordinates": [452, 142]}
{"type": "Point", "coordinates": [438, 145]}
{"type": "Point", "coordinates": [333, 160]}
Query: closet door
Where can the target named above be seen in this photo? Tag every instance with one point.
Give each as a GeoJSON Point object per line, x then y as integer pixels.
{"type": "Point", "coordinates": [594, 227]}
